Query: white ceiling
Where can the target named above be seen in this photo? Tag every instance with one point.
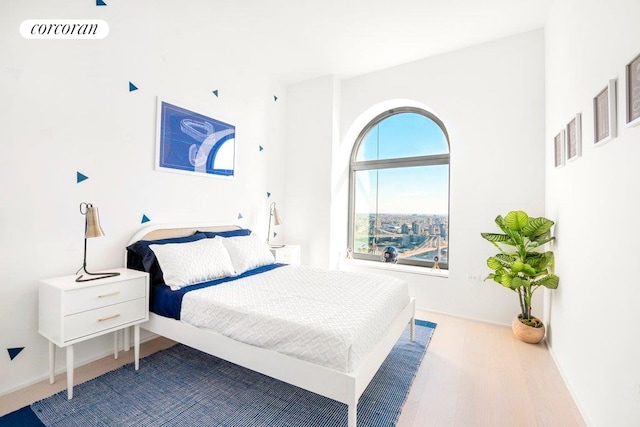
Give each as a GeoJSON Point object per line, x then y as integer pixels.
{"type": "Point", "coordinates": [297, 40]}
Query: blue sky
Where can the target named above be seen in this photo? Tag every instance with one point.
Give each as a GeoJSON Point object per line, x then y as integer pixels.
{"type": "Point", "coordinates": [419, 190]}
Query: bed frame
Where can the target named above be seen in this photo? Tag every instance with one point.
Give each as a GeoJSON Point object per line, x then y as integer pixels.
{"type": "Point", "coordinates": [343, 387]}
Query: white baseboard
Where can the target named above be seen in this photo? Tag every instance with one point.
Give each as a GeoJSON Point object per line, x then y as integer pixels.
{"type": "Point", "coordinates": [463, 317]}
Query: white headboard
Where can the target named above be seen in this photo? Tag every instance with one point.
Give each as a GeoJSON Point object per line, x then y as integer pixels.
{"type": "Point", "coordinates": [169, 230]}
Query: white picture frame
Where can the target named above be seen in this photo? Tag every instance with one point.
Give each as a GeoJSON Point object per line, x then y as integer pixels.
{"type": "Point", "coordinates": [605, 117]}
{"type": "Point", "coordinates": [573, 138]}
{"type": "Point", "coordinates": [558, 149]}
{"type": "Point", "coordinates": [633, 92]}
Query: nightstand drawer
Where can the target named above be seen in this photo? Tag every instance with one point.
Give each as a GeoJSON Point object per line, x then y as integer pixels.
{"type": "Point", "coordinates": [289, 254]}
{"type": "Point", "coordinates": [91, 297]}
{"type": "Point", "coordinates": [286, 257]}
{"type": "Point", "coordinates": [93, 321]}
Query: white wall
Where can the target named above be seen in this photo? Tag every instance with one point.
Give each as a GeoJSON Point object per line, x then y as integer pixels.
{"type": "Point", "coordinates": [491, 99]}
{"type": "Point", "coordinates": [311, 134]}
{"type": "Point", "coordinates": [66, 107]}
{"type": "Point", "coordinates": [593, 313]}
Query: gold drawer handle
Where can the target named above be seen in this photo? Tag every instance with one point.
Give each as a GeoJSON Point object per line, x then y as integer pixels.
{"type": "Point", "coordinates": [109, 295]}
{"type": "Point", "coordinates": [113, 316]}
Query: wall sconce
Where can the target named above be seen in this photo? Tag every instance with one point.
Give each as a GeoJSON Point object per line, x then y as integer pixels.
{"type": "Point", "coordinates": [91, 229]}
{"type": "Point", "coordinates": [275, 216]}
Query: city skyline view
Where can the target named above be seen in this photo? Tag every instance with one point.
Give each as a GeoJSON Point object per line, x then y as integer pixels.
{"type": "Point", "coordinates": [418, 237]}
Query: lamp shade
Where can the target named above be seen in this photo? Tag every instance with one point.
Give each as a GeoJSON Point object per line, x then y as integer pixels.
{"type": "Point", "coordinates": [93, 228]}
{"type": "Point", "coordinates": [276, 216]}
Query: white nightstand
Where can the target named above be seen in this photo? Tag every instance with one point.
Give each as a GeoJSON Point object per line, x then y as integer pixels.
{"type": "Point", "coordinates": [288, 254]}
{"type": "Point", "coordinates": [70, 312]}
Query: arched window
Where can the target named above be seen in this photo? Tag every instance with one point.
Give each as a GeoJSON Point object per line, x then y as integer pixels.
{"type": "Point", "coordinates": [399, 189]}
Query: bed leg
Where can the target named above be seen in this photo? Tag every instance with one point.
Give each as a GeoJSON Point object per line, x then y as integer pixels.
{"type": "Point", "coordinates": [352, 417]}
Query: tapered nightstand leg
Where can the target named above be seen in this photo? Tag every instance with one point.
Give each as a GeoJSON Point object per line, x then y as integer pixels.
{"type": "Point", "coordinates": [52, 362]}
{"type": "Point", "coordinates": [126, 339]}
{"type": "Point", "coordinates": [136, 345]}
{"type": "Point", "coordinates": [115, 345]}
{"type": "Point", "coordinates": [69, 372]}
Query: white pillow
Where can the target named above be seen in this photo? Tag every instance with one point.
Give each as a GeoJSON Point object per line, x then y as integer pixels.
{"type": "Point", "coordinates": [248, 252]}
{"type": "Point", "coordinates": [184, 264]}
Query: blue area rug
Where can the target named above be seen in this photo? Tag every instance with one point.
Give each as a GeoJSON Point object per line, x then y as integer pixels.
{"type": "Point", "coordinates": [185, 387]}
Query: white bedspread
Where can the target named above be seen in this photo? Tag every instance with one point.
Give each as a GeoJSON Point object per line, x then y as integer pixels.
{"type": "Point", "coordinates": [330, 318]}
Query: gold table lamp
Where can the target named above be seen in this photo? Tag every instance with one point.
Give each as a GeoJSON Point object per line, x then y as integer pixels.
{"type": "Point", "coordinates": [91, 229]}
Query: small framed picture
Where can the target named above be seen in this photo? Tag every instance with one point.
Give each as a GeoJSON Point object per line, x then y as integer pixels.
{"type": "Point", "coordinates": [604, 114]}
{"type": "Point", "coordinates": [633, 92]}
{"type": "Point", "coordinates": [558, 148]}
{"type": "Point", "coordinates": [573, 137]}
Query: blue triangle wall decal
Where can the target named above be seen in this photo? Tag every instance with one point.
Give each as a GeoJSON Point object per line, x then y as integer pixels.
{"type": "Point", "coordinates": [261, 147]}
{"type": "Point", "coordinates": [215, 92]}
{"type": "Point", "coordinates": [275, 234]}
{"type": "Point", "coordinates": [80, 177]}
{"type": "Point", "coordinates": [268, 194]}
{"type": "Point", "coordinates": [100, 3]}
{"type": "Point", "coordinates": [240, 216]}
{"type": "Point", "coordinates": [144, 219]}
{"type": "Point", "coordinates": [132, 87]}
{"type": "Point", "coordinates": [13, 352]}
{"type": "Point", "coordinates": [275, 98]}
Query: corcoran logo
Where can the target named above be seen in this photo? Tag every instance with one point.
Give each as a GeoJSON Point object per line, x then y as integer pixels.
{"type": "Point", "coordinates": [64, 29]}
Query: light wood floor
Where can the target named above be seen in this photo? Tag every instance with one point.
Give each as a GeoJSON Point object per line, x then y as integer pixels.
{"type": "Point", "coordinates": [474, 374]}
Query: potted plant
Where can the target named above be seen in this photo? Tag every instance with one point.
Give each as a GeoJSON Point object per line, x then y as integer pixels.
{"type": "Point", "coordinates": [522, 265]}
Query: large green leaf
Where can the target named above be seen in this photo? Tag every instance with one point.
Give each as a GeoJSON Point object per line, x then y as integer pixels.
{"type": "Point", "coordinates": [537, 227]}
{"type": "Point", "coordinates": [516, 220]}
{"type": "Point", "coordinates": [506, 259]}
{"type": "Point", "coordinates": [537, 260]}
{"type": "Point", "coordinates": [500, 262]}
{"type": "Point", "coordinates": [541, 240]}
{"type": "Point", "coordinates": [551, 259]}
{"type": "Point", "coordinates": [517, 282]}
{"type": "Point", "coordinates": [495, 237]}
{"type": "Point", "coordinates": [540, 259]}
{"type": "Point", "coordinates": [498, 278]}
{"type": "Point", "coordinates": [550, 281]}
{"type": "Point", "coordinates": [515, 236]}
{"type": "Point", "coordinates": [506, 281]}
{"type": "Point", "coordinates": [529, 270]}
{"type": "Point", "coordinates": [493, 263]}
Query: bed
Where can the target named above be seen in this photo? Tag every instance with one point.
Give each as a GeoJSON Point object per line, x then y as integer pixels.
{"type": "Point", "coordinates": [358, 352]}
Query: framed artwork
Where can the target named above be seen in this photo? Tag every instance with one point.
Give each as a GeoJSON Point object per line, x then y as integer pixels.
{"type": "Point", "coordinates": [558, 147]}
{"type": "Point", "coordinates": [633, 92]}
{"type": "Point", "coordinates": [604, 114]}
{"type": "Point", "coordinates": [573, 136]}
{"type": "Point", "coordinates": [193, 143]}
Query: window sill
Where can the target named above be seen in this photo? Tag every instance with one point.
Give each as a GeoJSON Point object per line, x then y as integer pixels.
{"type": "Point", "coordinates": [425, 271]}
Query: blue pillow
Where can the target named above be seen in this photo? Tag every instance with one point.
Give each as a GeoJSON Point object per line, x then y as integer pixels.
{"type": "Point", "coordinates": [140, 257]}
{"type": "Point", "coordinates": [229, 233]}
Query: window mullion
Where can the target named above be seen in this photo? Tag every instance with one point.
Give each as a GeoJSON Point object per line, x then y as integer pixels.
{"type": "Point", "coordinates": [401, 163]}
